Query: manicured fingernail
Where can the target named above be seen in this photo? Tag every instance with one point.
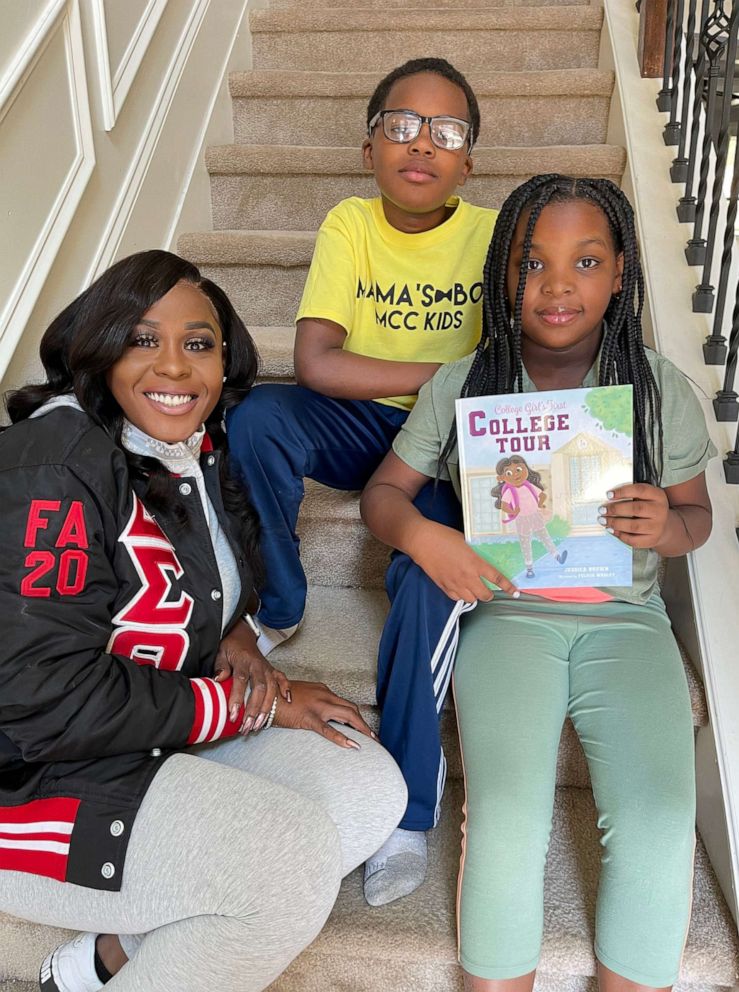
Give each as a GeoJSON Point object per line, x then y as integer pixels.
{"type": "Point", "coordinates": [373, 735]}
{"type": "Point", "coordinates": [247, 724]}
{"type": "Point", "coordinates": [351, 743]}
{"type": "Point", "coordinates": [289, 696]}
{"type": "Point", "coordinates": [517, 594]}
{"type": "Point", "coordinates": [602, 509]}
{"type": "Point", "coordinates": [602, 520]}
{"type": "Point", "coordinates": [610, 494]}
{"type": "Point", "coordinates": [610, 530]}
{"type": "Point", "coordinates": [259, 721]}
{"type": "Point", "coordinates": [234, 713]}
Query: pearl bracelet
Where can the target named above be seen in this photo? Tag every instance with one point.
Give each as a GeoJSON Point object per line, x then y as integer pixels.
{"type": "Point", "coordinates": [271, 716]}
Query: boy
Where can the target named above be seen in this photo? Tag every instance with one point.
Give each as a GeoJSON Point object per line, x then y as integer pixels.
{"type": "Point", "coordinates": [393, 292]}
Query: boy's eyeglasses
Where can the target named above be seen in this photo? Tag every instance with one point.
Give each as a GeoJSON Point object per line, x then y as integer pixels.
{"type": "Point", "coordinates": [403, 126]}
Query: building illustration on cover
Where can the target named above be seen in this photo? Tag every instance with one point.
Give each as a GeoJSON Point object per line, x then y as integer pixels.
{"type": "Point", "coordinates": [534, 469]}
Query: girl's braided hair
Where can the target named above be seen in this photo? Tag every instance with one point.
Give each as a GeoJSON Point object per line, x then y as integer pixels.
{"type": "Point", "coordinates": [497, 365]}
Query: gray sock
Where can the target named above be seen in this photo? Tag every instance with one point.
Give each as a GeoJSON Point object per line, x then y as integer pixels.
{"type": "Point", "coordinates": [397, 869]}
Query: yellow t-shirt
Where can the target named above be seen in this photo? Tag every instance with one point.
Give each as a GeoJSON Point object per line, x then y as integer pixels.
{"type": "Point", "coordinates": [401, 297]}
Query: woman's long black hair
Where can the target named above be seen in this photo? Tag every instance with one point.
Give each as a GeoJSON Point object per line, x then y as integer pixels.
{"type": "Point", "coordinates": [89, 336]}
{"type": "Point", "coordinates": [497, 366]}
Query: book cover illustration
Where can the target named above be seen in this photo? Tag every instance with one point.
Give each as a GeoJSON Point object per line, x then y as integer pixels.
{"type": "Point", "coordinates": [534, 469]}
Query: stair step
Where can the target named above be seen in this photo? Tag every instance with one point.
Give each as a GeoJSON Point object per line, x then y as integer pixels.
{"type": "Point", "coordinates": [289, 188]}
{"type": "Point", "coordinates": [411, 944]}
{"type": "Point", "coordinates": [416, 4]}
{"type": "Point", "coordinates": [263, 272]}
{"type": "Point", "coordinates": [275, 346]}
{"type": "Point", "coordinates": [336, 548]}
{"type": "Point", "coordinates": [568, 106]}
{"type": "Point", "coordinates": [23, 946]}
{"type": "Point", "coordinates": [504, 38]}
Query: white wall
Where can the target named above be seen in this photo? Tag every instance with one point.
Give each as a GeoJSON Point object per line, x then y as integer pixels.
{"type": "Point", "coordinates": [105, 109]}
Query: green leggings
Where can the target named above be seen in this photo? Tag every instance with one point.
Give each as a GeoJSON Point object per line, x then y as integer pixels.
{"type": "Point", "coordinates": [522, 667]}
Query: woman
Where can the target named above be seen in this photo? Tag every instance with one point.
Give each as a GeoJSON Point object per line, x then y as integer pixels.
{"type": "Point", "coordinates": [128, 565]}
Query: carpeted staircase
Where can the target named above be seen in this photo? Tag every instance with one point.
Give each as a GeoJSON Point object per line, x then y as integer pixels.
{"type": "Point", "coordinates": [298, 126]}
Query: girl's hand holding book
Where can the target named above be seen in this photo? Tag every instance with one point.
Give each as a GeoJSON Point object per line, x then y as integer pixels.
{"type": "Point", "coordinates": [672, 521]}
{"type": "Point", "coordinates": [637, 514]}
{"type": "Point", "coordinates": [445, 557]}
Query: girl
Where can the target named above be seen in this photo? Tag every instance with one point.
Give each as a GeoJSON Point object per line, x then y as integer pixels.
{"type": "Point", "coordinates": [563, 303]}
{"type": "Point", "coordinates": [127, 565]}
{"type": "Point", "coordinates": [519, 493]}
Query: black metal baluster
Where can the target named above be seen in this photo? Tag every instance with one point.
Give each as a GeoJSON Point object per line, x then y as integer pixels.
{"type": "Point", "coordinates": [671, 133]}
{"type": "Point", "coordinates": [663, 97]}
{"type": "Point", "coordinates": [687, 202]}
{"type": "Point", "coordinates": [715, 34]}
{"type": "Point", "coordinates": [731, 467]}
{"type": "Point", "coordinates": [679, 168]}
{"type": "Point", "coordinates": [714, 348]}
{"type": "Point", "coordinates": [727, 397]}
{"type": "Point", "coordinates": [725, 405]}
{"type": "Point", "coordinates": [703, 295]}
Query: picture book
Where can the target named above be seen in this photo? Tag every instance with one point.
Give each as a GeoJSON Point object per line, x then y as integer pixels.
{"type": "Point", "coordinates": [534, 469]}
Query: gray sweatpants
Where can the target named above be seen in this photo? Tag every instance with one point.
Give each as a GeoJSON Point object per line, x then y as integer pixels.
{"type": "Point", "coordinates": [234, 862]}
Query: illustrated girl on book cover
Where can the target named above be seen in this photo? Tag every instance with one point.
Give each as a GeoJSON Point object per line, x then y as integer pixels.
{"type": "Point", "coordinates": [521, 496]}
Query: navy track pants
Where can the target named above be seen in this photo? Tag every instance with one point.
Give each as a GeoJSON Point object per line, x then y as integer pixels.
{"type": "Point", "coordinates": [280, 435]}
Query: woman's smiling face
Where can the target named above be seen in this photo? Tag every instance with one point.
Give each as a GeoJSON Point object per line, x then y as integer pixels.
{"type": "Point", "coordinates": [169, 379]}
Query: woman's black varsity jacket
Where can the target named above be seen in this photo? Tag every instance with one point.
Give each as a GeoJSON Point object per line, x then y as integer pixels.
{"type": "Point", "coordinates": [111, 619]}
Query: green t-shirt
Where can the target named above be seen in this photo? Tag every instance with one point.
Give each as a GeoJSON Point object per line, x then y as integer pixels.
{"type": "Point", "coordinates": [400, 297]}
{"type": "Point", "coordinates": [687, 446]}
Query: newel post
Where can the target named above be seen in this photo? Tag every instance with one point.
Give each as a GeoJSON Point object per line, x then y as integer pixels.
{"type": "Point", "coordinates": [651, 48]}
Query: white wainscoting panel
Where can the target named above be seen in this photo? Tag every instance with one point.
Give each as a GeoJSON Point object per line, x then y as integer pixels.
{"type": "Point", "coordinates": [150, 136]}
{"type": "Point", "coordinates": [46, 159]}
{"type": "Point", "coordinates": [123, 30]}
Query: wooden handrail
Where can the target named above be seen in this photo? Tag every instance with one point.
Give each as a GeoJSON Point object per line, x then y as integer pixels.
{"type": "Point", "coordinates": [651, 48]}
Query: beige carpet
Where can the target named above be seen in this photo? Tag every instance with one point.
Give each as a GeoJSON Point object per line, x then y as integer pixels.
{"type": "Point", "coordinates": [297, 131]}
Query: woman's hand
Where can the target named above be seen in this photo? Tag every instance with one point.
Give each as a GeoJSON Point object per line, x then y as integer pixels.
{"type": "Point", "coordinates": [313, 705]}
{"type": "Point", "coordinates": [447, 558]}
{"type": "Point", "coordinates": [239, 658]}
{"type": "Point", "coordinates": [640, 520]}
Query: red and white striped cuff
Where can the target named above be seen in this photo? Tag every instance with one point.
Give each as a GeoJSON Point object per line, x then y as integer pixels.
{"type": "Point", "coordinates": [211, 711]}
{"type": "Point", "coordinates": [35, 837]}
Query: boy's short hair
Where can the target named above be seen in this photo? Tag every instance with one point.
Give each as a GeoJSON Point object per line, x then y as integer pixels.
{"type": "Point", "coordinates": [414, 67]}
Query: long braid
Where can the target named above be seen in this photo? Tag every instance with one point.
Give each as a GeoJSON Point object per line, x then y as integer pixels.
{"type": "Point", "coordinates": [497, 365]}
